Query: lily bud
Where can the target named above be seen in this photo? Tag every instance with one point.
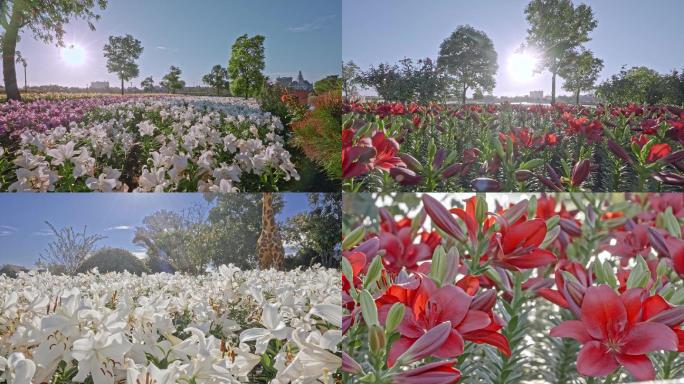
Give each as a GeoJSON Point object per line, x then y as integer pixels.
{"type": "Point", "coordinates": [411, 162]}
{"type": "Point", "coordinates": [570, 227]}
{"type": "Point", "coordinates": [394, 317]}
{"type": "Point", "coordinates": [580, 172]}
{"type": "Point", "coordinates": [350, 365]}
{"type": "Point", "coordinates": [439, 158]}
{"type": "Point", "coordinates": [484, 301]}
{"type": "Point", "coordinates": [671, 317]}
{"type": "Point", "coordinates": [658, 241]}
{"type": "Point", "coordinates": [452, 170]}
{"type": "Point", "coordinates": [376, 338]}
{"type": "Point", "coordinates": [442, 218]}
{"type": "Point", "coordinates": [369, 247]}
{"type": "Point", "coordinates": [430, 342]}
{"type": "Point", "coordinates": [405, 176]}
{"type": "Point", "coordinates": [485, 184]}
{"type": "Point", "coordinates": [620, 152]}
{"type": "Point", "coordinates": [523, 175]}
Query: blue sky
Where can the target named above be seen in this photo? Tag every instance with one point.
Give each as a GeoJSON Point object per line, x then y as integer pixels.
{"type": "Point", "coordinates": [195, 35]}
{"type": "Point", "coordinates": [629, 32]}
{"type": "Point", "coordinates": [24, 234]}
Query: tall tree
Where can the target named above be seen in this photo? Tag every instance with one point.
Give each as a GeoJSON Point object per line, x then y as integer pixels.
{"type": "Point", "coordinates": [69, 248]}
{"type": "Point", "coordinates": [580, 72]}
{"type": "Point", "coordinates": [45, 20]}
{"type": "Point", "coordinates": [217, 78]}
{"type": "Point", "coordinates": [350, 78]}
{"type": "Point", "coordinates": [557, 28]}
{"type": "Point", "coordinates": [147, 84]}
{"type": "Point", "coordinates": [121, 53]}
{"type": "Point", "coordinates": [247, 61]}
{"type": "Point", "coordinates": [469, 58]}
{"type": "Point", "coordinates": [172, 81]}
{"type": "Point", "coordinates": [327, 84]}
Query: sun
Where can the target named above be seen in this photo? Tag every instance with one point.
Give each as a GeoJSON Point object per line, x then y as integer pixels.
{"type": "Point", "coordinates": [521, 66]}
{"type": "Point", "coordinates": [73, 55]}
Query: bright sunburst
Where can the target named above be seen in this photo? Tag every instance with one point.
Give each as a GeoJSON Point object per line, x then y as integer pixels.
{"type": "Point", "coordinates": [73, 55]}
{"type": "Point", "coordinates": [521, 66]}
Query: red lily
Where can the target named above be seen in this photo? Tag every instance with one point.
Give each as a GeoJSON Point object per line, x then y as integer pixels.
{"type": "Point", "coordinates": [440, 372]}
{"type": "Point", "coordinates": [612, 334]}
{"type": "Point", "coordinates": [658, 151]}
{"type": "Point", "coordinates": [517, 247]}
{"type": "Point", "coordinates": [386, 152]}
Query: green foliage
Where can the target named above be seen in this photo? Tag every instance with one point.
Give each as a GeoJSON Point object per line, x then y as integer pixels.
{"type": "Point", "coordinates": [147, 84]}
{"type": "Point", "coordinates": [12, 271]}
{"type": "Point", "coordinates": [331, 83]}
{"type": "Point", "coordinates": [407, 81]}
{"type": "Point", "coordinates": [581, 72]}
{"type": "Point", "coordinates": [350, 78]}
{"type": "Point", "coordinates": [469, 58]}
{"type": "Point", "coordinates": [121, 53]}
{"type": "Point", "coordinates": [247, 61]}
{"type": "Point", "coordinates": [270, 101]}
{"type": "Point", "coordinates": [172, 81]}
{"type": "Point", "coordinates": [316, 233]}
{"type": "Point", "coordinates": [319, 136]}
{"type": "Point", "coordinates": [217, 78]}
{"type": "Point", "coordinates": [643, 85]}
{"type": "Point", "coordinates": [113, 260]}
{"type": "Point", "coordinates": [557, 28]}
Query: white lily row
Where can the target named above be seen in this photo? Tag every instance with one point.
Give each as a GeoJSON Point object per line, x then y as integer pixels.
{"type": "Point", "coordinates": [191, 135]}
{"type": "Point", "coordinates": [209, 329]}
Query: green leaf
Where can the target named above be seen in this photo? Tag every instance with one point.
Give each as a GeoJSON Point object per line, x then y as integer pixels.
{"type": "Point", "coordinates": [353, 238]}
{"type": "Point", "coordinates": [368, 308]}
{"type": "Point", "coordinates": [394, 317]}
{"type": "Point", "coordinates": [374, 270]}
{"type": "Point", "coordinates": [550, 237]}
{"type": "Point", "coordinates": [640, 275]}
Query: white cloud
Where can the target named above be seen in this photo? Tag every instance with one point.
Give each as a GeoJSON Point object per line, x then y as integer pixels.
{"type": "Point", "coordinates": [44, 232]}
{"type": "Point", "coordinates": [161, 47]}
{"type": "Point", "coordinates": [140, 254]}
{"type": "Point", "coordinates": [312, 26]}
{"type": "Point", "coordinates": [119, 228]}
{"type": "Point", "coordinates": [6, 230]}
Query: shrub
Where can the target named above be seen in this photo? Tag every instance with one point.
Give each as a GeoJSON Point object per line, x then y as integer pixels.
{"type": "Point", "coordinates": [270, 101]}
{"type": "Point", "coordinates": [113, 260]}
{"type": "Point", "coordinates": [12, 271]}
{"type": "Point", "coordinates": [319, 133]}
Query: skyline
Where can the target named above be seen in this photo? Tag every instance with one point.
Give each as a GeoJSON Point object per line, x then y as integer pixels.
{"type": "Point", "coordinates": [389, 30]}
{"type": "Point", "coordinates": [301, 35]}
{"type": "Point", "coordinates": [23, 236]}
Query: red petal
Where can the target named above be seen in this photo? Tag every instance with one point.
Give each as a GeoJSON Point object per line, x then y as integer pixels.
{"type": "Point", "coordinates": [595, 360]}
{"type": "Point", "coordinates": [398, 347]}
{"type": "Point", "coordinates": [639, 366]}
{"type": "Point", "coordinates": [573, 329]}
{"type": "Point", "coordinates": [632, 299]}
{"type": "Point", "coordinates": [452, 347]}
{"type": "Point", "coordinates": [473, 321]}
{"type": "Point", "coordinates": [649, 337]}
{"type": "Point", "coordinates": [553, 296]}
{"type": "Point", "coordinates": [441, 372]}
{"type": "Point", "coordinates": [529, 233]}
{"type": "Point", "coordinates": [603, 313]}
{"type": "Point", "coordinates": [533, 259]}
{"type": "Point", "coordinates": [654, 305]}
{"type": "Point", "coordinates": [357, 261]}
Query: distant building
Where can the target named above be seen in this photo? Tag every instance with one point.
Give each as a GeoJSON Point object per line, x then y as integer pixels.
{"type": "Point", "coordinates": [537, 95]}
{"type": "Point", "coordinates": [297, 85]}
{"type": "Point", "coordinates": [99, 85]}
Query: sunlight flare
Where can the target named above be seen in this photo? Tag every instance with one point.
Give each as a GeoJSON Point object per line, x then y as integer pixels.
{"type": "Point", "coordinates": [73, 54]}
{"type": "Point", "coordinates": [521, 66]}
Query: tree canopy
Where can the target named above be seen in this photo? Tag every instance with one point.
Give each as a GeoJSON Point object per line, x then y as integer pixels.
{"type": "Point", "coordinates": [328, 84]}
{"type": "Point", "coordinates": [469, 59]}
{"type": "Point", "coordinates": [557, 29]}
{"type": "Point", "coordinates": [350, 78]}
{"type": "Point", "coordinates": [406, 81]}
{"type": "Point", "coordinates": [247, 61]}
{"type": "Point", "coordinates": [147, 84]}
{"type": "Point", "coordinates": [217, 78]}
{"type": "Point", "coordinates": [121, 53]}
{"type": "Point", "coordinates": [172, 81]}
{"type": "Point", "coordinates": [581, 72]}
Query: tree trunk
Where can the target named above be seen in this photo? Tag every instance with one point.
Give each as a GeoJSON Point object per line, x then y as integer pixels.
{"type": "Point", "coordinates": [553, 88]}
{"type": "Point", "coordinates": [218, 91]}
{"type": "Point", "coordinates": [122, 85]}
{"type": "Point", "coordinates": [577, 95]}
{"type": "Point", "coordinates": [25, 80]}
{"type": "Point", "coordinates": [465, 88]}
{"type": "Point", "coordinates": [9, 47]}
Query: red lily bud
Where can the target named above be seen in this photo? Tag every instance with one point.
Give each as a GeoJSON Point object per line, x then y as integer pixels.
{"type": "Point", "coordinates": [442, 218]}
{"type": "Point", "coordinates": [523, 175]}
{"type": "Point", "coordinates": [570, 227]}
{"type": "Point", "coordinates": [673, 157]}
{"type": "Point", "coordinates": [430, 342]}
{"type": "Point", "coordinates": [405, 176]}
{"type": "Point", "coordinates": [438, 372]}
{"type": "Point", "coordinates": [618, 151]}
{"type": "Point", "coordinates": [484, 301]}
{"type": "Point", "coordinates": [411, 162]}
{"type": "Point", "coordinates": [550, 184]}
{"type": "Point", "coordinates": [485, 184]}
{"type": "Point", "coordinates": [452, 170]}
{"type": "Point", "coordinates": [669, 178]}
{"type": "Point", "coordinates": [369, 247]}
{"type": "Point", "coordinates": [553, 175]}
{"type": "Point", "coordinates": [658, 241]}
{"type": "Point", "coordinates": [350, 365]}
{"type": "Point", "coordinates": [672, 317]}
{"type": "Point", "coordinates": [439, 158]}
{"type": "Point", "coordinates": [580, 172]}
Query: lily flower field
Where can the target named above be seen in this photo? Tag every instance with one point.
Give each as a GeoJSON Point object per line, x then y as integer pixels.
{"type": "Point", "coordinates": [512, 147]}
{"type": "Point", "coordinates": [227, 326]}
{"type": "Point", "coordinates": [158, 143]}
{"type": "Point", "coordinates": [562, 288]}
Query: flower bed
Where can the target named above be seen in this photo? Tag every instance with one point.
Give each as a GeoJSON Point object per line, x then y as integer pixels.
{"type": "Point", "coordinates": [512, 148]}
{"type": "Point", "coordinates": [578, 290]}
{"type": "Point", "coordinates": [145, 144]}
{"type": "Point", "coordinates": [231, 326]}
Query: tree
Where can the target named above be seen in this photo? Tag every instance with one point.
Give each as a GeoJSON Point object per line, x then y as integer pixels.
{"type": "Point", "coordinates": [172, 81]}
{"type": "Point", "coordinates": [328, 84]}
{"type": "Point", "coordinates": [247, 61]}
{"type": "Point", "coordinates": [45, 20]}
{"type": "Point", "coordinates": [147, 84]}
{"type": "Point", "coordinates": [635, 85]}
{"type": "Point", "coordinates": [217, 78]}
{"type": "Point", "coordinates": [469, 58]}
{"type": "Point", "coordinates": [350, 78]}
{"type": "Point", "coordinates": [429, 82]}
{"type": "Point", "coordinates": [557, 28]}
{"type": "Point", "coordinates": [580, 73]}
{"type": "Point", "coordinates": [22, 60]}
{"type": "Point", "coordinates": [69, 249]}
{"type": "Point", "coordinates": [121, 53]}
{"type": "Point", "coordinates": [406, 81]}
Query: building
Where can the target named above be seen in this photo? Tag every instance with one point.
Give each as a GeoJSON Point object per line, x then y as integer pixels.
{"type": "Point", "coordinates": [297, 85]}
{"type": "Point", "coordinates": [99, 85]}
{"type": "Point", "coordinates": [537, 95]}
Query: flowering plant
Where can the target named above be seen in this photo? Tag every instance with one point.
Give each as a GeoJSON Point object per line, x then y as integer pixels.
{"type": "Point", "coordinates": [553, 288]}
{"type": "Point", "coordinates": [232, 326]}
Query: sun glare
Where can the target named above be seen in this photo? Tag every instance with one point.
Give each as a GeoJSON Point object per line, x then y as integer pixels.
{"type": "Point", "coordinates": [73, 55]}
{"type": "Point", "coordinates": [521, 66]}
